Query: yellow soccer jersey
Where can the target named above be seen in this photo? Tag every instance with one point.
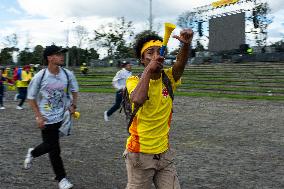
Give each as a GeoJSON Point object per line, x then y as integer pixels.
{"type": "Point", "coordinates": [26, 78]}
{"type": "Point", "coordinates": [150, 127]}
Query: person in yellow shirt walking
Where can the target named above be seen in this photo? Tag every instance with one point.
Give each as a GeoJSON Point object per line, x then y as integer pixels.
{"type": "Point", "coordinates": [148, 155]}
{"type": "Point", "coordinates": [22, 85]}
{"type": "Point", "coordinates": [84, 69]}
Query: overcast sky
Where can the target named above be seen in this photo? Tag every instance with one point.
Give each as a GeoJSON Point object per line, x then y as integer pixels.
{"type": "Point", "coordinates": [40, 21]}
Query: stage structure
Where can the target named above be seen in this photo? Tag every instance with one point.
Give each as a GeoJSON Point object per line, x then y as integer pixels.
{"type": "Point", "coordinates": [227, 24]}
{"type": "Point", "coordinates": [226, 32]}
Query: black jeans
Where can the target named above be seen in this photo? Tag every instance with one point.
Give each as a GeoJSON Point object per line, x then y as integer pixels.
{"type": "Point", "coordinates": [22, 94]}
{"type": "Point", "coordinates": [116, 106]}
{"type": "Point", "coordinates": [50, 145]}
{"type": "Point", "coordinates": [1, 95]}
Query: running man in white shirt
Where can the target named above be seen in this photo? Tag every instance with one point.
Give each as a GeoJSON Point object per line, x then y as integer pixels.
{"type": "Point", "coordinates": [49, 95]}
{"type": "Point", "coordinates": [119, 83]}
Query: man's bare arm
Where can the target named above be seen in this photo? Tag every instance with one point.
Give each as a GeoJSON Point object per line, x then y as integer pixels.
{"type": "Point", "coordinates": [185, 38]}
{"type": "Point", "coordinates": [74, 102]}
{"type": "Point", "coordinates": [140, 93]}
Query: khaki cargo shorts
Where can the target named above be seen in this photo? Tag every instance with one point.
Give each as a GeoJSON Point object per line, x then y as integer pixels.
{"type": "Point", "coordinates": [145, 169]}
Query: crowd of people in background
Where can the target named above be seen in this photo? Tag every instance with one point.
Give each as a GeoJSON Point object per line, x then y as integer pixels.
{"type": "Point", "coordinates": [16, 78]}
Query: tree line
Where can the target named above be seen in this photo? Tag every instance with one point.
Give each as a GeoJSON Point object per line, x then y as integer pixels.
{"type": "Point", "coordinates": [113, 37]}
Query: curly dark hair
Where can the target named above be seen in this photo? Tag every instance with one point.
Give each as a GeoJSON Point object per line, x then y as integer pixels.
{"type": "Point", "coordinates": [143, 38]}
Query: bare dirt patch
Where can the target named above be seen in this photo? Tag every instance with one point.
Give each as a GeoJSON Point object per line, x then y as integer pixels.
{"type": "Point", "coordinates": [220, 143]}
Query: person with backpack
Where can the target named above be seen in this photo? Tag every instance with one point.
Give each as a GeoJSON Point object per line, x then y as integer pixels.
{"type": "Point", "coordinates": [118, 82]}
{"type": "Point", "coordinates": [148, 155]}
{"type": "Point", "coordinates": [48, 95]}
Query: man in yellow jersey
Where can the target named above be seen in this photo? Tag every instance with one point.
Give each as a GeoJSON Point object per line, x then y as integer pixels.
{"type": "Point", "coordinates": [148, 155]}
{"type": "Point", "coordinates": [84, 69]}
{"type": "Point", "coordinates": [22, 85]}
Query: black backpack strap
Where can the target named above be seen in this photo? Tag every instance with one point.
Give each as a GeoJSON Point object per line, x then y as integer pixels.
{"type": "Point", "coordinates": [168, 84]}
{"type": "Point", "coordinates": [68, 82]}
{"type": "Point", "coordinates": [41, 78]}
{"type": "Point", "coordinates": [132, 117]}
{"type": "Point", "coordinates": [126, 95]}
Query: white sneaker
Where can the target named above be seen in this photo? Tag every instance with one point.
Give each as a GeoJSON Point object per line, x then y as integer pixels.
{"type": "Point", "coordinates": [65, 184]}
{"type": "Point", "coordinates": [16, 97]}
{"type": "Point", "coordinates": [28, 160]}
{"type": "Point", "coordinates": [2, 108]}
{"type": "Point", "coordinates": [105, 116]}
{"type": "Point", "coordinates": [19, 108]}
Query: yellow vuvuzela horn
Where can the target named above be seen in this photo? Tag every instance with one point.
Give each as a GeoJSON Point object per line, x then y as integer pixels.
{"type": "Point", "coordinates": [168, 31]}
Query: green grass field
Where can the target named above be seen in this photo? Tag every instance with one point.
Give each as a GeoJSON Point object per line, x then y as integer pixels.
{"type": "Point", "coordinates": [264, 81]}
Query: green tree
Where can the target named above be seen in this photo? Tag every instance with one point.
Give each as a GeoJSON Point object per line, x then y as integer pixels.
{"type": "Point", "coordinates": [10, 43]}
{"type": "Point", "coordinates": [37, 55]}
{"type": "Point", "coordinates": [124, 51]}
{"type": "Point", "coordinates": [92, 54]}
{"type": "Point", "coordinates": [279, 46]}
{"type": "Point", "coordinates": [6, 56]}
{"type": "Point", "coordinates": [77, 55]}
{"type": "Point", "coordinates": [113, 36]}
{"type": "Point", "coordinates": [74, 56]}
{"type": "Point", "coordinates": [25, 57]}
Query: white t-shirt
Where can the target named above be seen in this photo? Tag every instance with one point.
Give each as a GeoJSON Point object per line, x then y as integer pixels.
{"type": "Point", "coordinates": [51, 94]}
{"type": "Point", "coordinates": [120, 78]}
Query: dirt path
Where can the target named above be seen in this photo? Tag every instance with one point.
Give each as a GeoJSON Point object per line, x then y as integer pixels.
{"type": "Point", "coordinates": [220, 144]}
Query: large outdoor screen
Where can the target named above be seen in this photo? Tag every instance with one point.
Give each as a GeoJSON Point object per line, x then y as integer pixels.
{"type": "Point", "coordinates": [226, 32]}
